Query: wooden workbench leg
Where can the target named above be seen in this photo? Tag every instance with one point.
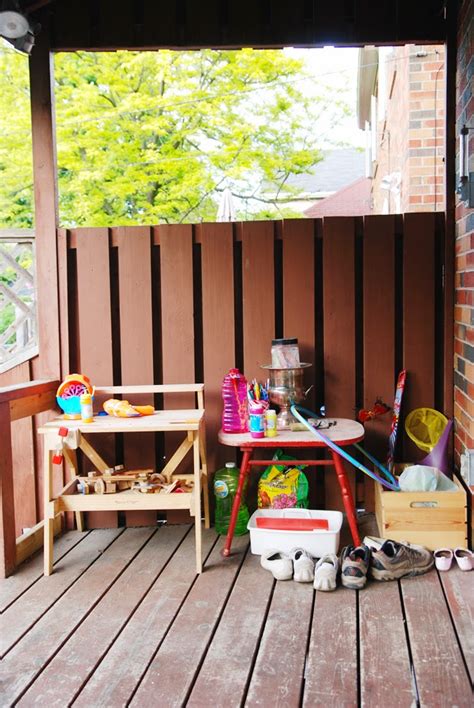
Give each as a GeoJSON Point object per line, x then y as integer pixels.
{"type": "Point", "coordinates": [197, 500]}
{"type": "Point", "coordinates": [48, 519]}
{"type": "Point", "coordinates": [204, 477]}
{"type": "Point", "coordinates": [347, 497]}
{"type": "Point", "coordinates": [71, 457]}
{"type": "Point", "coordinates": [244, 468]}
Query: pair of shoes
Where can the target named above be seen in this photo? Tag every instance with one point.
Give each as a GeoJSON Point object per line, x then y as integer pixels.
{"type": "Point", "coordinates": [400, 560]}
{"type": "Point", "coordinates": [444, 557]}
{"type": "Point", "coordinates": [354, 566]}
{"type": "Point", "coordinates": [297, 565]}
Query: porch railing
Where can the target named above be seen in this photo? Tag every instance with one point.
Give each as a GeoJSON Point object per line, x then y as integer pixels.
{"type": "Point", "coordinates": [18, 331]}
{"type": "Point", "coordinates": [19, 402]}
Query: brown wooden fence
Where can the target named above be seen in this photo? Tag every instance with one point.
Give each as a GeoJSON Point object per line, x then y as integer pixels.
{"type": "Point", "coordinates": [185, 303]}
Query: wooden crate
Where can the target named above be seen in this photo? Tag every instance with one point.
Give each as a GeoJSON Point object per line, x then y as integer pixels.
{"type": "Point", "coordinates": [431, 519]}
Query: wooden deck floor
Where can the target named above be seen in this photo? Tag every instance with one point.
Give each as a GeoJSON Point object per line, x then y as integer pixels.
{"type": "Point", "coordinates": [124, 620]}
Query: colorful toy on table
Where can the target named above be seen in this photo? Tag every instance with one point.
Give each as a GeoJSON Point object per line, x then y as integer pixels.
{"type": "Point", "coordinates": [258, 404]}
{"type": "Point", "coordinates": [124, 409]}
{"type": "Point", "coordinates": [68, 395]}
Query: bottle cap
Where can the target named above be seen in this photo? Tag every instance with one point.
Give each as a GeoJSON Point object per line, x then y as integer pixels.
{"type": "Point", "coordinates": [230, 464]}
{"type": "Point", "coordinates": [291, 340]}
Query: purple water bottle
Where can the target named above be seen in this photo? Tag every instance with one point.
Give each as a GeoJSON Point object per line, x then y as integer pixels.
{"type": "Point", "coordinates": [234, 396]}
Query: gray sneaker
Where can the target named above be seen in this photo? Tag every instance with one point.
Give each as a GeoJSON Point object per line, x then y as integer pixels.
{"type": "Point", "coordinates": [397, 560]}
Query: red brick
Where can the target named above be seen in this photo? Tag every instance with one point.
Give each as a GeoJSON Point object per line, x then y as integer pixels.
{"type": "Point", "coordinates": [463, 243]}
{"type": "Point", "coordinates": [465, 297]}
{"type": "Point", "coordinates": [469, 279]}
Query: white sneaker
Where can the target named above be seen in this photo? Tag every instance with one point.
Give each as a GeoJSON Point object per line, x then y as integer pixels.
{"type": "Point", "coordinates": [279, 564]}
{"type": "Point", "coordinates": [325, 573]}
{"type": "Point", "coordinates": [303, 565]}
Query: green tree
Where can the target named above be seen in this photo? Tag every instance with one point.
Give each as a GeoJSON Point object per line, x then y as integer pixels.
{"type": "Point", "coordinates": [16, 169]}
{"type": "Point", "coordinates": [150, 137]}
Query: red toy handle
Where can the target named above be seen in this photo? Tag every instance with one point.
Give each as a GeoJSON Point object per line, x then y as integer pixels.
{"type": "Point", "coordinates": [282, 524]}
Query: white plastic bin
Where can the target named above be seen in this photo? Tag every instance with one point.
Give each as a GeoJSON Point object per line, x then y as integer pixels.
{"type": "Point", "coordinates": [316, 541]}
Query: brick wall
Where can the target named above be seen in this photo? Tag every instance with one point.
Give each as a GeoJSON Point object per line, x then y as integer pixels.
{"type": "Point", "coordinates": [464, 300]}
{"type": "Point", "coordinates": [411, 134]}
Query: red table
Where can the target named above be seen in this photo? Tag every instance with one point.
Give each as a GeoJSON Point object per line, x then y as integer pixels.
{"type": "Point", "coordinates": [344, 432]}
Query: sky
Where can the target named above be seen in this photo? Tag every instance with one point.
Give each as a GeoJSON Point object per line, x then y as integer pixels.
{"type": "Point", "coordinates": [339, 68]}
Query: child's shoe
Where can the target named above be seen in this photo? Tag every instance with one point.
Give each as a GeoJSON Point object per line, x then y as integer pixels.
{"type": "Point", "coordinates": [279, 564]}
{"type": "Point", "coordinates": [443, 558]}
{"type": "Point", "coordinates": [464, 558]}
{"type": "Point", "coordinates": [354, 566]}
{"type": "Point", "coordinates": [303, 565]}
{"type": "Point", "coordinates": [325, 573]}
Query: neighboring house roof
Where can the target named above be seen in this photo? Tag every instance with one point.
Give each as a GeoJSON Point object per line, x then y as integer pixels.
{"type": "Point", "coordinates": [353, 200]}
{"type": "Point", "coordinates": [337, 169]}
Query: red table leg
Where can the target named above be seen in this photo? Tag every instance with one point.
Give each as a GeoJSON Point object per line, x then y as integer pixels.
{"type": "Point", "coordinates": [346, 497]}
{"type": "Point", "coordinates": [244, 468]}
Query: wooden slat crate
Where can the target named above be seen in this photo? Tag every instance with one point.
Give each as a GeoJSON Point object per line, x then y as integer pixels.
{"type": "Point", "coordinates": [431, 519]}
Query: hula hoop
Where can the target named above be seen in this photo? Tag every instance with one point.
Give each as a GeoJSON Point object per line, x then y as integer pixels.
{"type": "Point", "coordinates": [394, 487]}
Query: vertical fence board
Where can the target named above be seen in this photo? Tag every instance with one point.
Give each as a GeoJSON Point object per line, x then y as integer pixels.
{"type": "Point", "coordinates": [298, 290]}
{"type": "Point", "coordinates": [136, 343]}
{"type": "Point", "coordinates": [218, 325]}
{"type": "Point", "coordinates": [379, 334]}
{"type": "Point", "coordinates": [339, 332]}
{"type": "Point", "coordinates": [299, 314]}
{"type": "Point", "coordinates": [258, 296]}
{"type": "Point", "coordinates": [177, 325]}
{"type": "Point", "coordinates": [418, 317]}
{"type": "Point", "coordinates": [95, 333]}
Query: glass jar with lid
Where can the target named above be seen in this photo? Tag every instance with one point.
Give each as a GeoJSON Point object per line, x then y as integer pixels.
{"type": "Point", "coordinates": [285, 353]}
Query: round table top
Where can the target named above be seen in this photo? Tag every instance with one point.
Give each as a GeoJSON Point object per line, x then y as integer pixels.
{"type": "Point", "coordinates": [343, 432]}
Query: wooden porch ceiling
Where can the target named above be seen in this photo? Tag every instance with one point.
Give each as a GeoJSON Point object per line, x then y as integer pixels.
{"type": "Point", "coordinates": [114, 24]}
{"type": "Point", "coordinates": [125, 621]}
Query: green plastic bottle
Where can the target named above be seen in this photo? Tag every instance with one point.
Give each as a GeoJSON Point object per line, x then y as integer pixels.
{"type": "Point", "coordinates": [225, 487]}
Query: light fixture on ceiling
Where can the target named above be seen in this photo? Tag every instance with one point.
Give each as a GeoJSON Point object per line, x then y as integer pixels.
{"type": "Point", "coordinates": [16, 28]}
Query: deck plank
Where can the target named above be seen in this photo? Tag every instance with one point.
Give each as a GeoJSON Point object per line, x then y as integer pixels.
{"type": "Point", "coordinates": [45, 593]}
{"type": "Point", "coordinates": [27, 658]}
{"type": "Point", "coordinates": [31, 570]}
{"type": "Point", "coordinates": [121, 669]}
{"type": "Point", "coordinates": [235, 640]}
{"type": "Point", "coordinates": [459, 589]}
{"type": "Point", "coordinates": [382, 645]}
{"type": "Point", "coordinates": [277, 677]}
{"type": "Point", "coordinates": [439, 669]}
{"type": "Point", "coordinates": [65, 674]}
{"type": "Point", "coordinates": [331, 667]}
{"type": "Point", "coordinates": [173, 668]}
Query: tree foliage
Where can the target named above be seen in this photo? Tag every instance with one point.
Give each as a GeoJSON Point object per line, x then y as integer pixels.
{"type": "Point", "coordinates": [151, 137]}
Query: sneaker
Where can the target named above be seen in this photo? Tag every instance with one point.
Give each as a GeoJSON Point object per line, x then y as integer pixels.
{"type": "Point", "coordinates": [279, 564]}
{"type": "Point", "coordinates": [354, 566]}
{"type": "Point", "coordinates": [303, 565]}
{"type": "Point", "coordinates": [325, 573]}
{"type": "Point", "coordinates": [397, 560]}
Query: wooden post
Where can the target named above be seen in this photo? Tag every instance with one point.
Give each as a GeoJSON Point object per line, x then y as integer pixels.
{"type": "Point", "coordinates": [7, 504]}
{"type": "Point", "coordinates": [45, 191]}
